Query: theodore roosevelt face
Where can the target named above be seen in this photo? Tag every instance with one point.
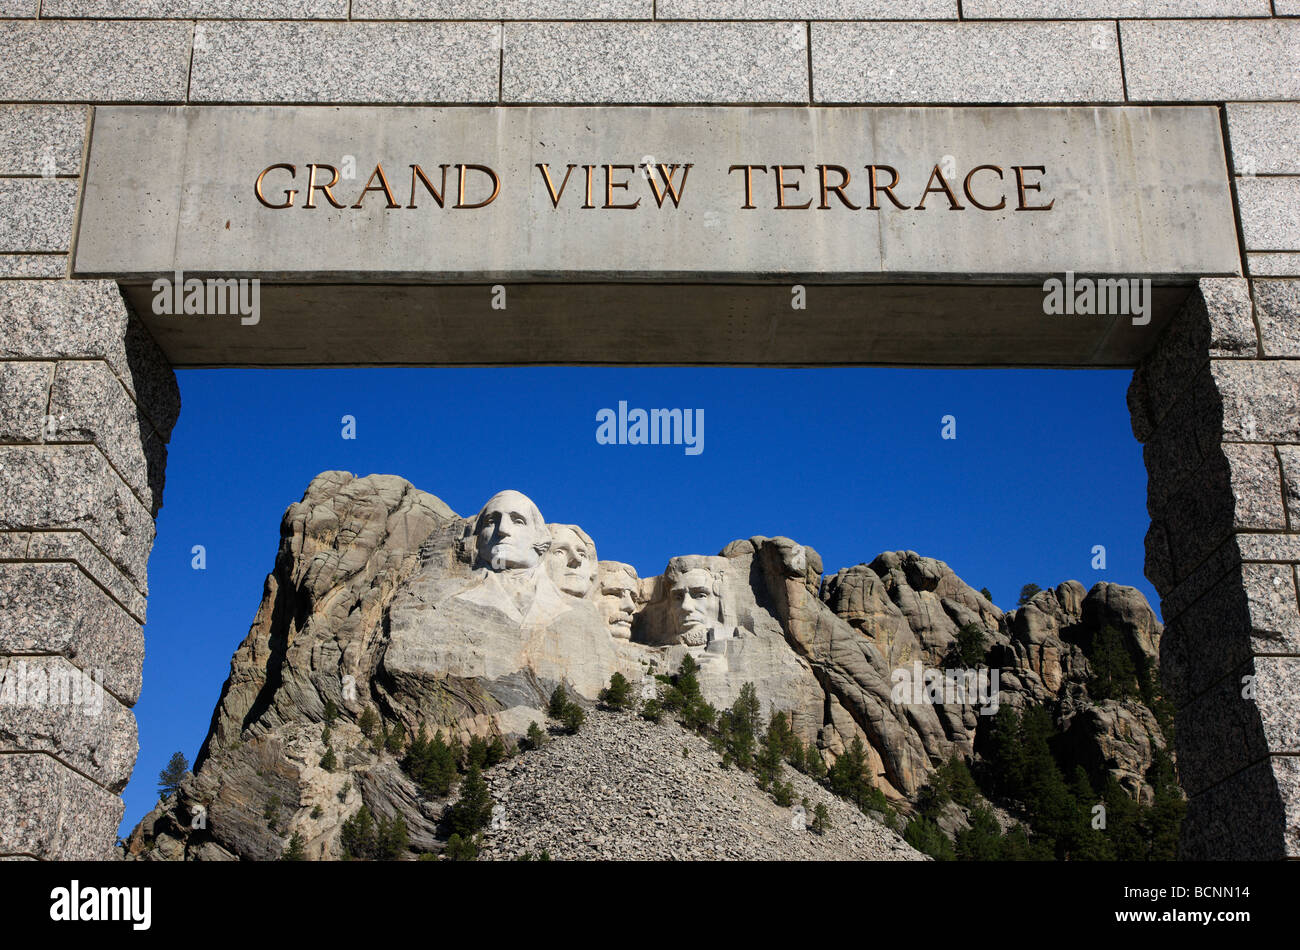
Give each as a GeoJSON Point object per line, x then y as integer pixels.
{"type": "Point", "coordinates": [618, 601]}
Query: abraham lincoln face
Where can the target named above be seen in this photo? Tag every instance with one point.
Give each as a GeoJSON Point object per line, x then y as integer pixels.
{"type": "Point", "coordinates": [696, 605]}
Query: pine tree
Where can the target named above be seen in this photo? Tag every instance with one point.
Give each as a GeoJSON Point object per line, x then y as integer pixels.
{"type": "Point", "coordinates": [477, 753]}
{"type": "Point", "coordinates": [396, 739]}
{"type": "Point", "coordinates": [391, 839]}
{"type": "Point", "coordinates": [573, 717]}
{"type": "Point", "coordinates": [925, 836]}
{"type": "Point", "coordinates": [369, 721]}
{"type": "Point", "coordinates": [331, 711]}
{"type": "Point", "coordinates": [535, 738]}
{"type": "Point", "coordinates": [814, 765]}
{"type": "Point", "coordinates": [559, 699]}
{"type": "Point", "coordinates": [1114, 675]}
{"type": "Point", "coordinates": [496, 751]}
{"type": "Point", "coordinates": [358, 836]}
{"type": "Point", "coordinates": [618, 694]}
{"type": "Point", "coordinates": [170, 778]}
{"type": "Point", "coordinates": [1027, 593]}
{"type": "Point", "coordinates": [296, 851]}
{"type": "Point", "coordinates": [473, 810]}
{"type": "Point", "coordinates": [821, 822]}
{"type": "Point", "coordinates": [328, 761]}
{"type": "Point", "coordinates": [741, 727]}
{"type": "Point", "coordinates": [460, 848]}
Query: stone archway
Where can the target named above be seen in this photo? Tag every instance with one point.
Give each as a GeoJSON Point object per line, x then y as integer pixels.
{"type": "Point", "coordinates": [89, 386]}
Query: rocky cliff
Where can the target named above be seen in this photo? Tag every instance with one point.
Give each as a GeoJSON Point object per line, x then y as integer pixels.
{"type": "Point", "coordinates": [384, 599]}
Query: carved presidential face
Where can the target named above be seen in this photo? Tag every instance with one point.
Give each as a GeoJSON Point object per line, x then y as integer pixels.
{"type": "Point", "coordinates": [510, 532]}
{"type": "Point", "coordinates": [695, 605]}
{"type": "Point", "coordinates": [619, 592]}
{"type": "Point", "coordinates": [571, 560]}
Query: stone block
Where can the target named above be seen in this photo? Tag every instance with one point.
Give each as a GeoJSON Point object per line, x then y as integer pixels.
{"type": "Point", "coordinates": [94, 61]}
{"type": "Point", "coordinates": [1244, 817]}
{"type": "Point", "coordinates": [42, 140]}
{"type": "Point", "coordinates": [1269, 221]}
{"type": "Point", "coordinates": [1218, 733]}
{"type": "Point", "coordinates": [33, 266]}
{"type": "Point", "coordinates": [72, 487]}
{"type": "Point", "coordinates": [24, 396]}
{"type": "Point", "coordinates": [1211, 60]}
{"type": "Point", "coordinates": [89, 320]}
{"type": "Point", "coordinates": [346, 62]}
{"type": "Point", "coordinates": [56, 609]}
{"type": "Point", "coordinates": [48, 705]}
{"type": "Point", "coordinates": [806, 10]}
{"type": "Point", "coordinates": [1249, 610]}
{"type": "Point", "coordinates": [1273, 264]}
{"type": "Point", "coordinates": [89, 404]}
{"type": "Point", "coordinates": [48, 811]}
{"type": "Point", "coordinates": [198, 9]}
{"type": "Point", "coordinates": [966, 62]}
{"type": "Point", "coordinates": [39, 213]}
{"type": "Point", "coordinates": [1277, 307]}
{"type": "Point", "coordinates": [655, 62]}
{"type": "Point", "coordinates": [73, 547]}
{"type": "Point", "coordinates": [1259, 399]}
{"type": "Point", "coordinates": [1289, 456]}
{"type": "Point", "coordinates": [1110, 9]}
{"type": "Point", "coordinates": [505, 10]}
{"type": "Point", "coordinates": [1264, 137]}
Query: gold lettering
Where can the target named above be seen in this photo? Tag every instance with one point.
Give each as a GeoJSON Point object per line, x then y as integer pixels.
{"type": "Point", "coordinates": [943, 187]}
{"type": "Point", "coordinates": [590, 169]}
{"type": "Point", "coordinates": [610, 185]}
{"type": "Point", "coordinates": [887, 189]}
{"type": "Point", "coordinates": [782, 187]}
{"type": "Point", "coordinates": [670, 189]}
{"type": "Point", "coordinates": [837, 190]}
{"type": "Point", "coordinates": [382, 186]}
{"type": "Point", "coordinates": [460, 193]}
{"type": "Point", "coordinates": [1022, 187]}
{"type": "Point", "coordinates": [550, 186]}
{"type": "Point", "coordinates": [417, 175]}
{"type": "Point", "coordinates": [312, 187]}
{"type": "Point", "coordinates": [972, 199]}
{"type": "Point", "coordinates": [749, 182]}
{"type": "Point", "coordinates": [289, 193]}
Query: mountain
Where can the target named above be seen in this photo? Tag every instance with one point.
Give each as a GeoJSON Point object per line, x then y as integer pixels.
{"type": "Point", "coordinates": [389, 617]}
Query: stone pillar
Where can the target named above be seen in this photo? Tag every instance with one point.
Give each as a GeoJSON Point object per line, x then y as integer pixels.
{"type": "Point", "coordinates": [87, 403]}
{"type": "Point", "coordinates": [1217, 405]}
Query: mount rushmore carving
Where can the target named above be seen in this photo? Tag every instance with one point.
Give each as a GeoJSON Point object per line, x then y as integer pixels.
{"type": "Point", "coordinates": [382, 597]}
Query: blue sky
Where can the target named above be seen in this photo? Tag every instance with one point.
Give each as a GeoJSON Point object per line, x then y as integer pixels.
{"type": "Point", "coordinates": [848, 461]}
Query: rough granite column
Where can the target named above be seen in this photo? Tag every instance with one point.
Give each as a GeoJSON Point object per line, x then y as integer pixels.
{"type": "Point", "coordinates": [87, 403]}
{"type": "Point", "coordinates": [1217, 405]}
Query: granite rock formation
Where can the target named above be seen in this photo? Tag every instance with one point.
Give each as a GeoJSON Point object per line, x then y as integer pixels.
{"type": "Point", "coordinates": [383, 597]}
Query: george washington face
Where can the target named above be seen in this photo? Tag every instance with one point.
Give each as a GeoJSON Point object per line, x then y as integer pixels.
{"type": "Point", "coordinates": [510, 533]}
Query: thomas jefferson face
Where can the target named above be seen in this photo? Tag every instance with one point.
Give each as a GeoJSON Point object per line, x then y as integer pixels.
{"type": "Point", "coordinates": [618, 593]}
{"type": "Point", "coordinates": [571, 561]}
{"type": "Point", "coordinates": [511, 533]}
{"type": "Point", "coordinates": [696, 606]}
